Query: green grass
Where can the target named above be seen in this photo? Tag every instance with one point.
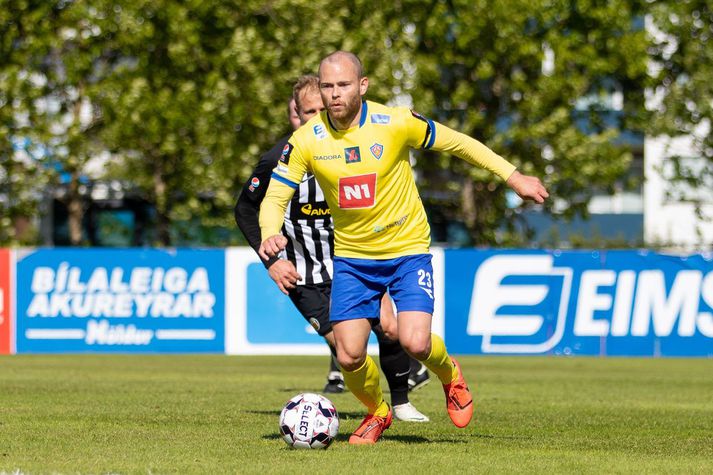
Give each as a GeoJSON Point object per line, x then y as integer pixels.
{"type": "Point", "coordinates": [218, 414]}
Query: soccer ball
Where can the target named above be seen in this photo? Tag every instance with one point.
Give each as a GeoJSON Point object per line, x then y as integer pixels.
{"type": "Point", "coordinates": [309, 421]}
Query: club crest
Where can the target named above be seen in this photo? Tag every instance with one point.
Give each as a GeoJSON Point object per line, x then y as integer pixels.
{"type": "Point", "coordinates": [377, 150]}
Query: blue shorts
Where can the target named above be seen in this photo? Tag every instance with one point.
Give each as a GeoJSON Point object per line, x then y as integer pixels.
{"type": "Point", "coordinates": [359, 284]}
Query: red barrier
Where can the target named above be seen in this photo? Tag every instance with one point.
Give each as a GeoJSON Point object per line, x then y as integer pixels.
{"type": "Point", "coordinates": [5, 302]}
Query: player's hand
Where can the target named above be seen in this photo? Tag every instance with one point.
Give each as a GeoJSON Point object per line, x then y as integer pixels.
{"type": "Point", "coordinates": [284, 274]}
{"type": "Point", "coordinates": [272, 246]}
{"type": "Point", "coordinates": [528, 187]}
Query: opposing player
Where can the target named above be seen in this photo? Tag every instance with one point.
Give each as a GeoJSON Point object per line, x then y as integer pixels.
{"type": "Point", "coordinates": [358, 151]}
{"type": "Point", "coordinates": [304, 272]}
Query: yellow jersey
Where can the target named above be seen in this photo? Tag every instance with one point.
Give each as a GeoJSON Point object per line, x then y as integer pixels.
{"type": "Point", "coordinates": [366, 177]}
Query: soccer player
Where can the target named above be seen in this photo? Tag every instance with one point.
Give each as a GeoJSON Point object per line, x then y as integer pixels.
{"type": "Point", "coordinates": [304, 272]}
{"type": "Point", "coordinates": [358, 151]}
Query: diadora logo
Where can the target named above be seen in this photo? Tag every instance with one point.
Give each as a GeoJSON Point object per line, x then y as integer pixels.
{"type": "Point", "coordinates": [522, 303]}
{"type": "Point", "coordinates": [352, 155]}
{"type": "Point", "coordinates": [357, 191]}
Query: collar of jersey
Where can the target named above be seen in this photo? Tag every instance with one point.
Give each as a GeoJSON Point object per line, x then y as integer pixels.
{"type": "Point", "coordinates": [362, 119]}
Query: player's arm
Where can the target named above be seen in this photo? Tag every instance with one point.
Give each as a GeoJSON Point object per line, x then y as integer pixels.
{"type": "Point", "coordinates": [436, 136]}
{"type": "Point", "coordinates": [284, 182]}
{"type": "Point", "coordinates": [248, 206]}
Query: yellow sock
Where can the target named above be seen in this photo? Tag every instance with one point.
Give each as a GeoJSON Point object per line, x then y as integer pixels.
{"type": "Point", "coordinates": [439, 362]}
{"type": "Point", "coordinates": [364, 384]}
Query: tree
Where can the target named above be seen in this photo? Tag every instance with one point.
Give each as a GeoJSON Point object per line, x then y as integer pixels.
{"type": "Point", "coordinates": [682, 102]}
{"type": "Point", "coordinates": [22, 171]}
{"type": "Point", "coordinates": [72, 66]}
{"type": "Point", "coordinates": [530, 78]}
{"type": "Point", "coordinates": [198, 89]}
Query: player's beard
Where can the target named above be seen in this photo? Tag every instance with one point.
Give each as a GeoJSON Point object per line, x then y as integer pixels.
{"type": "Point", "coordinates": [350, 109]}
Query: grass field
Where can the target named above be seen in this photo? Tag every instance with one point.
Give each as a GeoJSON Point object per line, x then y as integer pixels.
{"type": "Point", "coordinates": [218, 414]}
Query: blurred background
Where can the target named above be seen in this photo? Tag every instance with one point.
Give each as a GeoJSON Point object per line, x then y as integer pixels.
{"type": "Point", "coordinates": [135, 123]}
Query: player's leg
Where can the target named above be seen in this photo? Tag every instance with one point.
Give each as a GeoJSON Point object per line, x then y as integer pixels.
{"type": "Point", "coordinates": [396, 365]}
{"type": "Point", "coordinates": [361, 376]}
{"type": "Point", "coordinates": [430, 349]}
{"type": "Point", "coordinates": [335, 380]}
{"type": "Point", "coordinates": [312, 301]}
{"type": "Point", "coordinates": [412, 291]}
{"type": "Point", "coordinates": [418, 373]}
{"type": "Point", "coordinates": [416, 338]}
{"type": "Point", "coordinates": [355, 301]}
{"type": "Point", "coordinates": [359, 369]}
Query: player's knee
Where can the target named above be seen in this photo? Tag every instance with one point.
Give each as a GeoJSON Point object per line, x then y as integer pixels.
{"type": "Point", "coordinates": [350, 360]}
{"type": "Point", "coordinates": [419, 347]}
{"type": "Point", "coordinates": [391, 333]}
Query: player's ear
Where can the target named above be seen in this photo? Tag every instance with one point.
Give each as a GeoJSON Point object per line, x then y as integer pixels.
{"type": "Point", "coordinates": [363, 85]}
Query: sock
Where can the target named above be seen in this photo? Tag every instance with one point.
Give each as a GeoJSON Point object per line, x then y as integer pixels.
{"type": "Point", "coordinates": [395, 363]}
{"type": "Point", "coordinates": [333, 366]}
{"type": "Point", "coordinates": [439, 362]}
{"type": "Point", "coordinates": [364, 384]}
{"type": "Point", "coordinates": [415, 365]}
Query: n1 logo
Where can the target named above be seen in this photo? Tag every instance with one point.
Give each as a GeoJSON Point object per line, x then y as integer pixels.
{"type": "Point", "coordinates": [357, 191]}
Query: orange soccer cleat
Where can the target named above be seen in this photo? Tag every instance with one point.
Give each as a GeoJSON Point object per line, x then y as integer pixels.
{"type": "Point", "coordinates": [371, 429]}
{"type": "Point", "coordinates": [459, 401]}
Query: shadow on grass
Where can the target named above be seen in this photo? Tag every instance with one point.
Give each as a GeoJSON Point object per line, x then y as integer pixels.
{"type": "Point", "coordinates": [348, 415]}
{"type": "Point", "coordinates": [405, 439]}
{"type": "Point", "coordinates": [499, 437]}
{"type": "Point", "coordinates": [296, 391]}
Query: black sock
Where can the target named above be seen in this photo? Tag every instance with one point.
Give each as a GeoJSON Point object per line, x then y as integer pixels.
{"type": "Point", "coordinates": [395, 364]}
{"type": "Point", "coordinates": [415, 365]}
{"type": "Point", "coordinates": [333, 366]}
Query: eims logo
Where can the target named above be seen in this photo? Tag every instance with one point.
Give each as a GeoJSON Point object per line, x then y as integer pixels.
{"type": "Point", "coordinates": [524, 324]}
{"type": "Point", "coordinates": [523, 303]}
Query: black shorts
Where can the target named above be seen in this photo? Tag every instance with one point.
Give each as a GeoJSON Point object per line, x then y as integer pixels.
{"type": "Point", "coordinates": [312, 300]}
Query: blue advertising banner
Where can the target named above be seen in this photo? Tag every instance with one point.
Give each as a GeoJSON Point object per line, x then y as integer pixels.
{"type": "Point", "coordinates": [262, 320]}
{"type": "Point", "coordinates": [134, 300]}
{"type": "Point", "coordinates": [272, 318]}
{"type": "Point", "coordinates": [259, 318]}
{"type": "Point", "coordinates": [579, 302]}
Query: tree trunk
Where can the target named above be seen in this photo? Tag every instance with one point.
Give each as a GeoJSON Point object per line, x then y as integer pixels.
{"type": "Point", "coordinates": [469, 211]}
{"type": "Point", "coordinates": [162, 221]}
{"type": "Point", "coordinates": [75, 210]}
{"type": "Point", "coordinates": [75, 206]}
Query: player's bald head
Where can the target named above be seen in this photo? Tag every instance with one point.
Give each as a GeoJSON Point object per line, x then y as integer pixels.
{"type": "Point", "coordinates": [344, 58]}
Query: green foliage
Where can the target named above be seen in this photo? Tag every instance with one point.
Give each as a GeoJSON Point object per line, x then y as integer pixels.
{"type": "Point", "coordinates": [682, 56]}
{"type": "Point", "coordinates": [529, 79]}
{"type": "Point", "coordinates": [195, 91]}
{"type": "Point", "coordinates": [23, 42]}
{"type": "Point", "coordinates": [186, 95]}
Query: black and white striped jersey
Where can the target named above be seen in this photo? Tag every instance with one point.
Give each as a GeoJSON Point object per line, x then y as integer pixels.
{"type": "Point", "coordinates": [308, 223]}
